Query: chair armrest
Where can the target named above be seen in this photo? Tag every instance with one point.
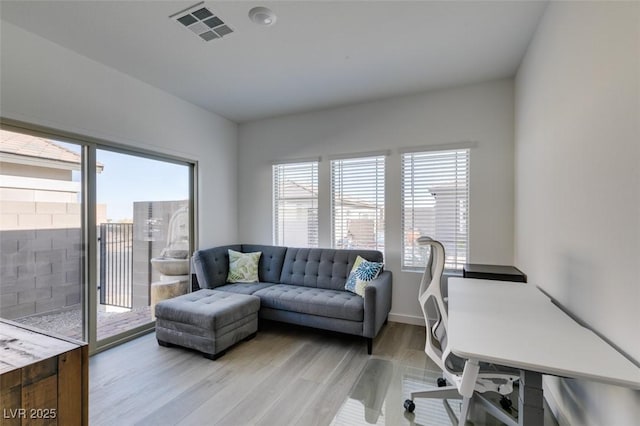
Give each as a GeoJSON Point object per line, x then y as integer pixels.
{"type": "Point", "coordinates": [377, 304]}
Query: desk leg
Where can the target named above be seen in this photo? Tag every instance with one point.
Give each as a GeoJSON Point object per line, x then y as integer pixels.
{"type": "Point", "coordinates": [530, 400]}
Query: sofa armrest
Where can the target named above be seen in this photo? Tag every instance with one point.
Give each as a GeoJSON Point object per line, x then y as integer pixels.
{"type": "Point", "coordinates": [377, 304]}
{"type": "Point", "coordinates": [212, 265]}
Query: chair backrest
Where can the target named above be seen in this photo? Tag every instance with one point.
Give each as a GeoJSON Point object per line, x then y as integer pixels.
{"type": "Point", "coordinates": [432, 302]}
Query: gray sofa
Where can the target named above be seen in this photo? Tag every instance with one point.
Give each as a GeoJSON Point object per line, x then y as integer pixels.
{"type": "Point", "coordinates": [305, 286]}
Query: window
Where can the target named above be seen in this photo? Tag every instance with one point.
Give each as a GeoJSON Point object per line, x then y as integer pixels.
{"type": "Point", "coordinates": [295, 204]}
{"type": "Point", "coordinates": [435, 203]}
{"type": "Point", "coordinates": [357, 209]}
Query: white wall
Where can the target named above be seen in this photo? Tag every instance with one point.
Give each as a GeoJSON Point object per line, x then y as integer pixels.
{"type": "Point", "coordinates": [578, 184]}
{"type": "Point", "coordinates": [43, 83]}
{"type": "Point", "coordinates": [482, 113]}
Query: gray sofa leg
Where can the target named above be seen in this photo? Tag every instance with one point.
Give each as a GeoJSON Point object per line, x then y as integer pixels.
{"type": "Point", "coordinates": [369, 345]}
{"type": "Point", "coordinates": [213, 357]}
{"type": "Point", "coordinates": [164, 344]}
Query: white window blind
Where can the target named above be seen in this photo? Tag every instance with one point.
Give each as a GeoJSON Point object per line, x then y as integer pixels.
{"type": "Point", "coordinates": [295, 204]}
{"type": "Point", "coordinates": [435, 203]}
{"type": "Point", "coordinates": [357, 208]}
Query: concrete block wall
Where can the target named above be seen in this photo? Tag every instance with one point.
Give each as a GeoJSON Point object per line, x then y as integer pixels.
{"type": "Point", "coordinates": [43, 215]}
{"type": "Point", "coordinates": [39, 271]}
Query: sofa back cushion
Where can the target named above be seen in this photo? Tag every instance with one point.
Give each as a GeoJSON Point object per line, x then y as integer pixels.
{"type": "Point", "coordinates": [322, 268]}
{"type": "Point", "coordinates": [212, 265]}
{"type": "Point", "coordinates": [270, 264]}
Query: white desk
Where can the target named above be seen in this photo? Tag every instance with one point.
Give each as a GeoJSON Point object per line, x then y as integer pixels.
{"type": "Point", "coordinates": [516, 325]}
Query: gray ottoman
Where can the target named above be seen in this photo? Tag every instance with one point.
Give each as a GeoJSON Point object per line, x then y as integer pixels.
{"type": "Point", "coordinates": [209, 321]}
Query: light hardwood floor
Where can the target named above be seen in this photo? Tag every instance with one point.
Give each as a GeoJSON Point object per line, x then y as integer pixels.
{"type": "Point", "coordinates": [286, 375]}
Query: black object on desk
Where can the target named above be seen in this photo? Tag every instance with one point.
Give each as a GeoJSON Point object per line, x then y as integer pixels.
{"type": "Point", "coordinates": [493, 272]}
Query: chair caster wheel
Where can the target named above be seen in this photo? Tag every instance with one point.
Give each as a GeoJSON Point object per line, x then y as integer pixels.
{"type": "Point", "coordinates": [409, 405]}
{"type": "Point", "coordinates": [506, 403]}
{"type": "Point", "coordinates": [441, 382]}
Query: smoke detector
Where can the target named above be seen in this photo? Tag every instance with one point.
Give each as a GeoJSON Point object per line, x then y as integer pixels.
{"type": "Point", "coordinates": [202, 22]}
{"type": "Point", "coordinates": [262, 16]}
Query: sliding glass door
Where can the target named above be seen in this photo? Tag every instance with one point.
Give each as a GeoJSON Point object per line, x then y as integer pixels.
{"type": "Point", "coordinates": [92, 234]}
{"type": "Point", "coordinates": [144, 237]}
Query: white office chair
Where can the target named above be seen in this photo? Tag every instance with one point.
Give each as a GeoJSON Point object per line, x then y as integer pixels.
{"type": "Point", "coordinates": [489, 377]}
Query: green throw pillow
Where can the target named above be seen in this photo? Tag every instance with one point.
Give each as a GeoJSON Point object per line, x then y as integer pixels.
{"type": "Point", "coordinates": [362, 273]}
{"type": "Point", "coordinates": [243, 267]}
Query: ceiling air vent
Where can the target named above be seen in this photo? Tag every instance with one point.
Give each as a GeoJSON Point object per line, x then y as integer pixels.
{"type": "Point", "coordinates": [202, 22]}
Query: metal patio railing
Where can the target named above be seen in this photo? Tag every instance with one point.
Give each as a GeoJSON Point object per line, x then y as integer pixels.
{"type": "Point", "coordinates": [116, 264]}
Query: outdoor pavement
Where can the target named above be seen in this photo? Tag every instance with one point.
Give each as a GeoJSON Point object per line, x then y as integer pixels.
{"type": "Point", "coordinates": [69, 322]}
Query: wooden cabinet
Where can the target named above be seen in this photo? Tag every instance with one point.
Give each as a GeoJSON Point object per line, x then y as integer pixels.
{"type": "Point", "coordinates": [43, 378]}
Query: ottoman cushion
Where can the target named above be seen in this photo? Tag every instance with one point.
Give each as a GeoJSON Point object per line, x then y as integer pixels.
{"type": "Point", "coordinates": [209, 321]}
{"type": "Point", "coordinates": [208, 309]}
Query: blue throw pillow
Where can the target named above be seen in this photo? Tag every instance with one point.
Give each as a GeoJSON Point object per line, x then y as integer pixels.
{"type": "Point", "coordinates": [362, 273]}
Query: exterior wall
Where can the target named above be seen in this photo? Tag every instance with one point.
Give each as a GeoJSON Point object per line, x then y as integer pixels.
{"type": "Point", "coordinates": [35, 195]}
{"type": "Point", "coordinates": [25, 170]}
{"type": "Point", "coordinates": [22, 182]}
{"type": "Point", "coordinates": [44, 215]}
{"type": "Point", "coordinates": [39, 256]}
{"type": "Point", "coordinates": [39, 271]}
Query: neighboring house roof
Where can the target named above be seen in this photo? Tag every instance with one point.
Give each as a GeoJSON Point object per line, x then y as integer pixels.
{"type": "Point", "coordinates": [33, 150]}
{"type": "Point", "coordinates": [295, 191]}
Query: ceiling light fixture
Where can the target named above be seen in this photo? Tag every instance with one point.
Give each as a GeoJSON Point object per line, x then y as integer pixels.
{"type": "Point", "coordinates": [262, 16]}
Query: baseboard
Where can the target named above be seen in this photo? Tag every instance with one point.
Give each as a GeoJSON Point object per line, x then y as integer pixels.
{"type": "Point", "coordinates": [406, 319]}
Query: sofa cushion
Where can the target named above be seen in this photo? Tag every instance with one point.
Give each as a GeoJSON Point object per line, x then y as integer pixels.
{"type": "Point", "coordinates": [313, 301]}
{"type": "Point", "coordinates": [322, 268]}
{"type": "Point", "coordinates": [270, 265]}
{"type": "Point", "coordinates": [244, 288]}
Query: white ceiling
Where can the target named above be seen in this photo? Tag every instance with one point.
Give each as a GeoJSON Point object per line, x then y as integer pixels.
{"type": "Point", "coordinates": [319, 54]}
